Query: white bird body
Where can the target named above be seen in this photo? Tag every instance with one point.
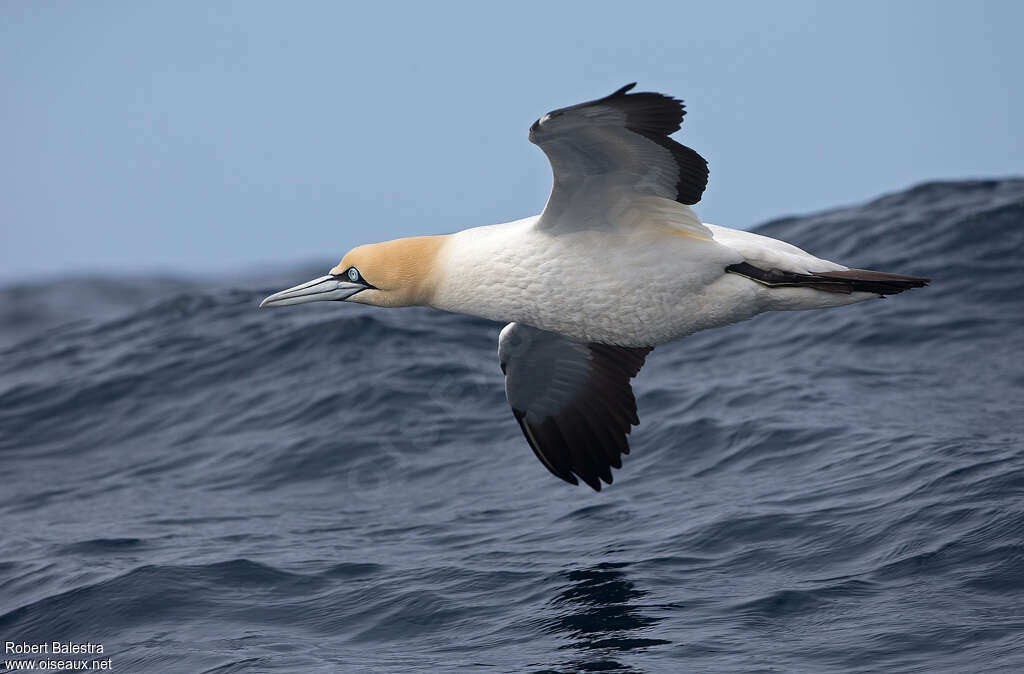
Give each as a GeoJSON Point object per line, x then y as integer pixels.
{"type": "Point", "coordinates": [616, 264]}
{"type": "Point", "coordinates": [642, 285]}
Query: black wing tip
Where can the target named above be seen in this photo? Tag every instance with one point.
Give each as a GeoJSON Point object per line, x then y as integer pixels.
{"type": "Point", "coordinates": [621, 91]}
{"type": "Point", "coordinates": [561, 463]}
{"type": "Point", "coordinates": [693, 168]}
{"type": "Point", "coordinates": [649, 112]}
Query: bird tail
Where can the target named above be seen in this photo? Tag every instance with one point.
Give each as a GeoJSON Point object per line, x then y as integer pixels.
{"type": "Point", "coordinates": [846, 281]}
{"type": "Point", "coordinates": [883, 283]}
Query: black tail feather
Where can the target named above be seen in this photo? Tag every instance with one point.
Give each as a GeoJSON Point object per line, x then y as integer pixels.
{"type": "Point", "coordinates": [846, 282]}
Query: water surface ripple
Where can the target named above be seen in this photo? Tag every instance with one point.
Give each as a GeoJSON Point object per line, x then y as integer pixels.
{"type": "Point", "coordinates": [204, 487]}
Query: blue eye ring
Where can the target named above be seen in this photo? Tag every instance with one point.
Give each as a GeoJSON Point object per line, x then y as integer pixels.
{"type": "Point", "coordinates": [353, 274]}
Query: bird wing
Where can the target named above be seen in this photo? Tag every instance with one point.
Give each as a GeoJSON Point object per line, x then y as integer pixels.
{"type": "Point", "coordinates": [573, 400]}
{"type": "Point", "coordinates": [614, 155]}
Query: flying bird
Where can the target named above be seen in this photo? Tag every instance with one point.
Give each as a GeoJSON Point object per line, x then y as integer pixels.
{"type": "Point", "coordinates": [616, 264]}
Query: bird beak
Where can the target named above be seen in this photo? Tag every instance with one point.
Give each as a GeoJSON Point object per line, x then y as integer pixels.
{"type": "Point", "coordinates": [317, 290]}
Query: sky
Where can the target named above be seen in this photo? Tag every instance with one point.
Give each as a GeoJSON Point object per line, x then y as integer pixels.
{"type": "Point", "coordinates": [216, 137]}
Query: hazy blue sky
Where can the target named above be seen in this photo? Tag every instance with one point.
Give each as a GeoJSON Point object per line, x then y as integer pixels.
{"type": "Point", "coordinates": [204, 136]}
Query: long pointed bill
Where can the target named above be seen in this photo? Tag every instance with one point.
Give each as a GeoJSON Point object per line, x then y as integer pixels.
{"type": "Point", "coordinates": [319, 289]}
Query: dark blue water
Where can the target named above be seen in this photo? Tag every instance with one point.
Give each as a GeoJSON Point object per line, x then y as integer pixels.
{"type": "Point", "coordinates": [200, 486]}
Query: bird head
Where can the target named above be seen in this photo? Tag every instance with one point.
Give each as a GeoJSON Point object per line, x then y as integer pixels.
{"type": "Point", "coordinates": [397, 273]}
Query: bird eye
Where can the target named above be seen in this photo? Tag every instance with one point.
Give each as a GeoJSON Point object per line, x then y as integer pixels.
{"type": "Point", "coordinates": [353, 274]}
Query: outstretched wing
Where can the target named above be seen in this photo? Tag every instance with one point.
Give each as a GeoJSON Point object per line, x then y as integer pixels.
{"type": "Point", "coordinates": [572, 399]}
{"type": "Point", "coordinates": [616, 148]}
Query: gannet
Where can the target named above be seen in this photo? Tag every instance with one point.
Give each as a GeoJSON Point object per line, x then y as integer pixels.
{"type": "Point", "coordinates": [616, 264]}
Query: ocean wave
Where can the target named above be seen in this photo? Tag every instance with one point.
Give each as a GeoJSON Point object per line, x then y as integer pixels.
{"type": "Point", "coordinates": [202, 486]}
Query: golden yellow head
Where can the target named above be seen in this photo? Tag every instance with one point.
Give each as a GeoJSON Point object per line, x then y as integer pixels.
{"type": "Point", "coordinates": [401, 273]}
{"type": "Point", "coordinates": [397, 273]}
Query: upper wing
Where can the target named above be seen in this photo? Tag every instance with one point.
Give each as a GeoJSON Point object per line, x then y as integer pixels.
{"type": "Point", "coordinates": [572, 399]}
{"type": "Point", "coordinates": [617, 147]}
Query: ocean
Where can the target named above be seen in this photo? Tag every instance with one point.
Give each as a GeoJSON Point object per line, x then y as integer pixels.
{"type": "Point", "coordinates": [199, 486]}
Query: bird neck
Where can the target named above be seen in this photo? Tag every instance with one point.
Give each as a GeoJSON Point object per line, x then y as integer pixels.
{"type": "Point", "coordinates": [485, 271]}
